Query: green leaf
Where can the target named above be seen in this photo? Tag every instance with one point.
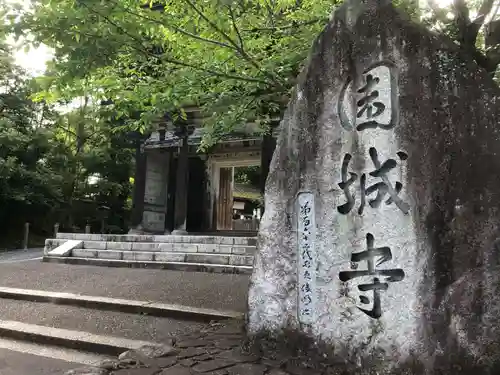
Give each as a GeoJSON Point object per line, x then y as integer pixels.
{"type": "Point", "coordinates": [237, 60]}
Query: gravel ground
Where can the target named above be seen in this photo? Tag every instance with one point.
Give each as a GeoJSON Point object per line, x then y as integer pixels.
{"type": "Point", "coordinates": [14, 363]}
{"type": "Point", "coordinates": [20, 255]}
{"type": "Point", "coordinates": [198, 289]}
{"type": "Point", "coordinates": [108, 323]}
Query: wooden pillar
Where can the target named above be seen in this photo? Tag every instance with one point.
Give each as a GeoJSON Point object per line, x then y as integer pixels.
{"type": "Point", "coordinates": [182, 180]}
{"type": "Point", "coordinates": [139, 188]}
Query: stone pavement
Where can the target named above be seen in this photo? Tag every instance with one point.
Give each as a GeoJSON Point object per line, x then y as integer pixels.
{"type": "Point", "coordinates": [197, 289]}
{"type": "Point", "coordinates": [20, 363]}
{"type": "Point", "coordinates": [217, 349]}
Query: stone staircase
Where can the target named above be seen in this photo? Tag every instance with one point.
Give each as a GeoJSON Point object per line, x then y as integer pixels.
{"type": "Point", "coordinates": [188, 253]}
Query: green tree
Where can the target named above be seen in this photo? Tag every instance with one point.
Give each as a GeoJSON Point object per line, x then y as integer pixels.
{"type": "Point", "coordinates": [57, 166]}
{"type": "Point", "coordinates": [473, 25]}
{"type": "Point", "coordinates": [96, 163]}
{"type": "Point", "coordinates": [29, 185]}
{"type": "Point", "coordinates": [237, 60]}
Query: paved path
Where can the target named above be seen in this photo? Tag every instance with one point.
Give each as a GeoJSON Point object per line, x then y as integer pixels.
{"type": "Point", "coordinates": [198, 289]}
{"type": "Point", "coordinates": [20, 255]}
{"type": "Point", "coordinates": [15, 363]}
{"type": "Point", "coordinates": [20, 363]}
{"type": "Point", "coordinates": [22, 269]}
{"type": "Point", "coordinates": [108, 323]}
{"type": "Point", "coordinates": [213, 350]}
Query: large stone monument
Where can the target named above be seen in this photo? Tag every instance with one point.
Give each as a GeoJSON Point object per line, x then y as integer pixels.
{"type": "Point", "coordinates": [383, 200]}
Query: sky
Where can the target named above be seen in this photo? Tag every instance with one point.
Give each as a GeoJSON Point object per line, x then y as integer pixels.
{"type": "Point", "coordinates": [35, 60]}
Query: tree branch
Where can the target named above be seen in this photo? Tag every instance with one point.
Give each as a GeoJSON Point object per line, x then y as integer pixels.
{"type": "Point", "coordinates": [232, 44]}
{"type": "Point", "coordinates": [462, 20]}
{"type": "Point", "coordinates": [495, 12]}
{"type": "Point", "coordinates": [175, 62]}
{"type": "Point", "coordinates": [118, 27]}
{"type": "Point", "coordinates": [488, 63]}
{"type": "Point", "coordinates": [484, 10]}
{"type": "Point", "coordinates": [468, 32]}
{"type": "Point", "coordinates": [461, 7]}
{"type": "Point", "coordinates": [58, 126]}
{"type": "Point", "coordinates": [175, 28]}
{"type": "Point", "coordinates": [291, 26]}
{"type": "Point", "coordinates": [475, 26]}
{"type": "Point", "coordinates": [212, 25]}
{"type": "Point", "coordinates": [242, 52]}
{"type": "Point", "coordinates": [235, 26]}
{"type": "Point", "coordinates": [439, 13]}
{"type": "Point", "coordinates": [270, 13]}
{"type": "Point", "coordinates": [213, 72]}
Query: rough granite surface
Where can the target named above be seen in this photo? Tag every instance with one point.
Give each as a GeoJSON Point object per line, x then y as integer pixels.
{"type": "Point", "coordinates": [441, 113]}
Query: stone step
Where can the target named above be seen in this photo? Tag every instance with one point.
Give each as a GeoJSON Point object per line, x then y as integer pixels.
{"type": "Point", "coordinates": [198, 239]}
{"type": "Point", "coordinates": [178, 266]}
{"type": "Point", "coordinates": [62, 337]}
{"type": "Point", "coordinates": [160, 256]}
{"type": "Point", "coordinates": [51, 244]}
{"type": "Point", "coordinates": [171, 247]}
{"type": "Point", "coordinates": [121, 305]}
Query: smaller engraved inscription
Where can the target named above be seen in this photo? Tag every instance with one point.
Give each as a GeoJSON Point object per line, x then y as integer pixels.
{"type": "Point", "coordinates": [382, 188]}
{"type": "Point", "coordinates": [371, 253]}
{"type": "Point", "coordinates": [306, 231]}
{"type": "Point", "coordinates": [370, 101]}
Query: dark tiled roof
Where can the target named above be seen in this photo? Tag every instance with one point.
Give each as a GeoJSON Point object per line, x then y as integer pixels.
{"type": "Point", "coordinates": [168, 138]}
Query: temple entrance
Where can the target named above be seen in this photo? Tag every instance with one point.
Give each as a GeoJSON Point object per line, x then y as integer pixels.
{"type": "Point", "coordinates": [247, 198]}
{"type": "Point", "coordinates": [238, 201]}
{"type": "Point", "coordinates": [224, 204]}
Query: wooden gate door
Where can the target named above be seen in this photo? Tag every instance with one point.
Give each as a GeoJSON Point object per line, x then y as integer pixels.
{"type": "Point", "coordinates": [225, 201]}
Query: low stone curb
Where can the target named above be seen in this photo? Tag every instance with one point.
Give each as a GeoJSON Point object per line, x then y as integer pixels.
{"type": "Point", "coordinates": [121, 305]}
{"type": "Point", "coordinates": [77, 340]}
{"type": "Point", "coordinates": [177, 266]}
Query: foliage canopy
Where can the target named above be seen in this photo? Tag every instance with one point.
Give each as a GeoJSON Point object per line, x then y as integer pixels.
{"type": "Point", "coordinates": [237, 60]}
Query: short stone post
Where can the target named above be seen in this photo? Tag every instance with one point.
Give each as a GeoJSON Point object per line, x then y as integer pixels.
{"type": "Point", "coordinates": [26, 235]}
{"type": "Point", "coordinates": [56, 229]}
{"type": "Point", "coordinates": [87, 229]}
